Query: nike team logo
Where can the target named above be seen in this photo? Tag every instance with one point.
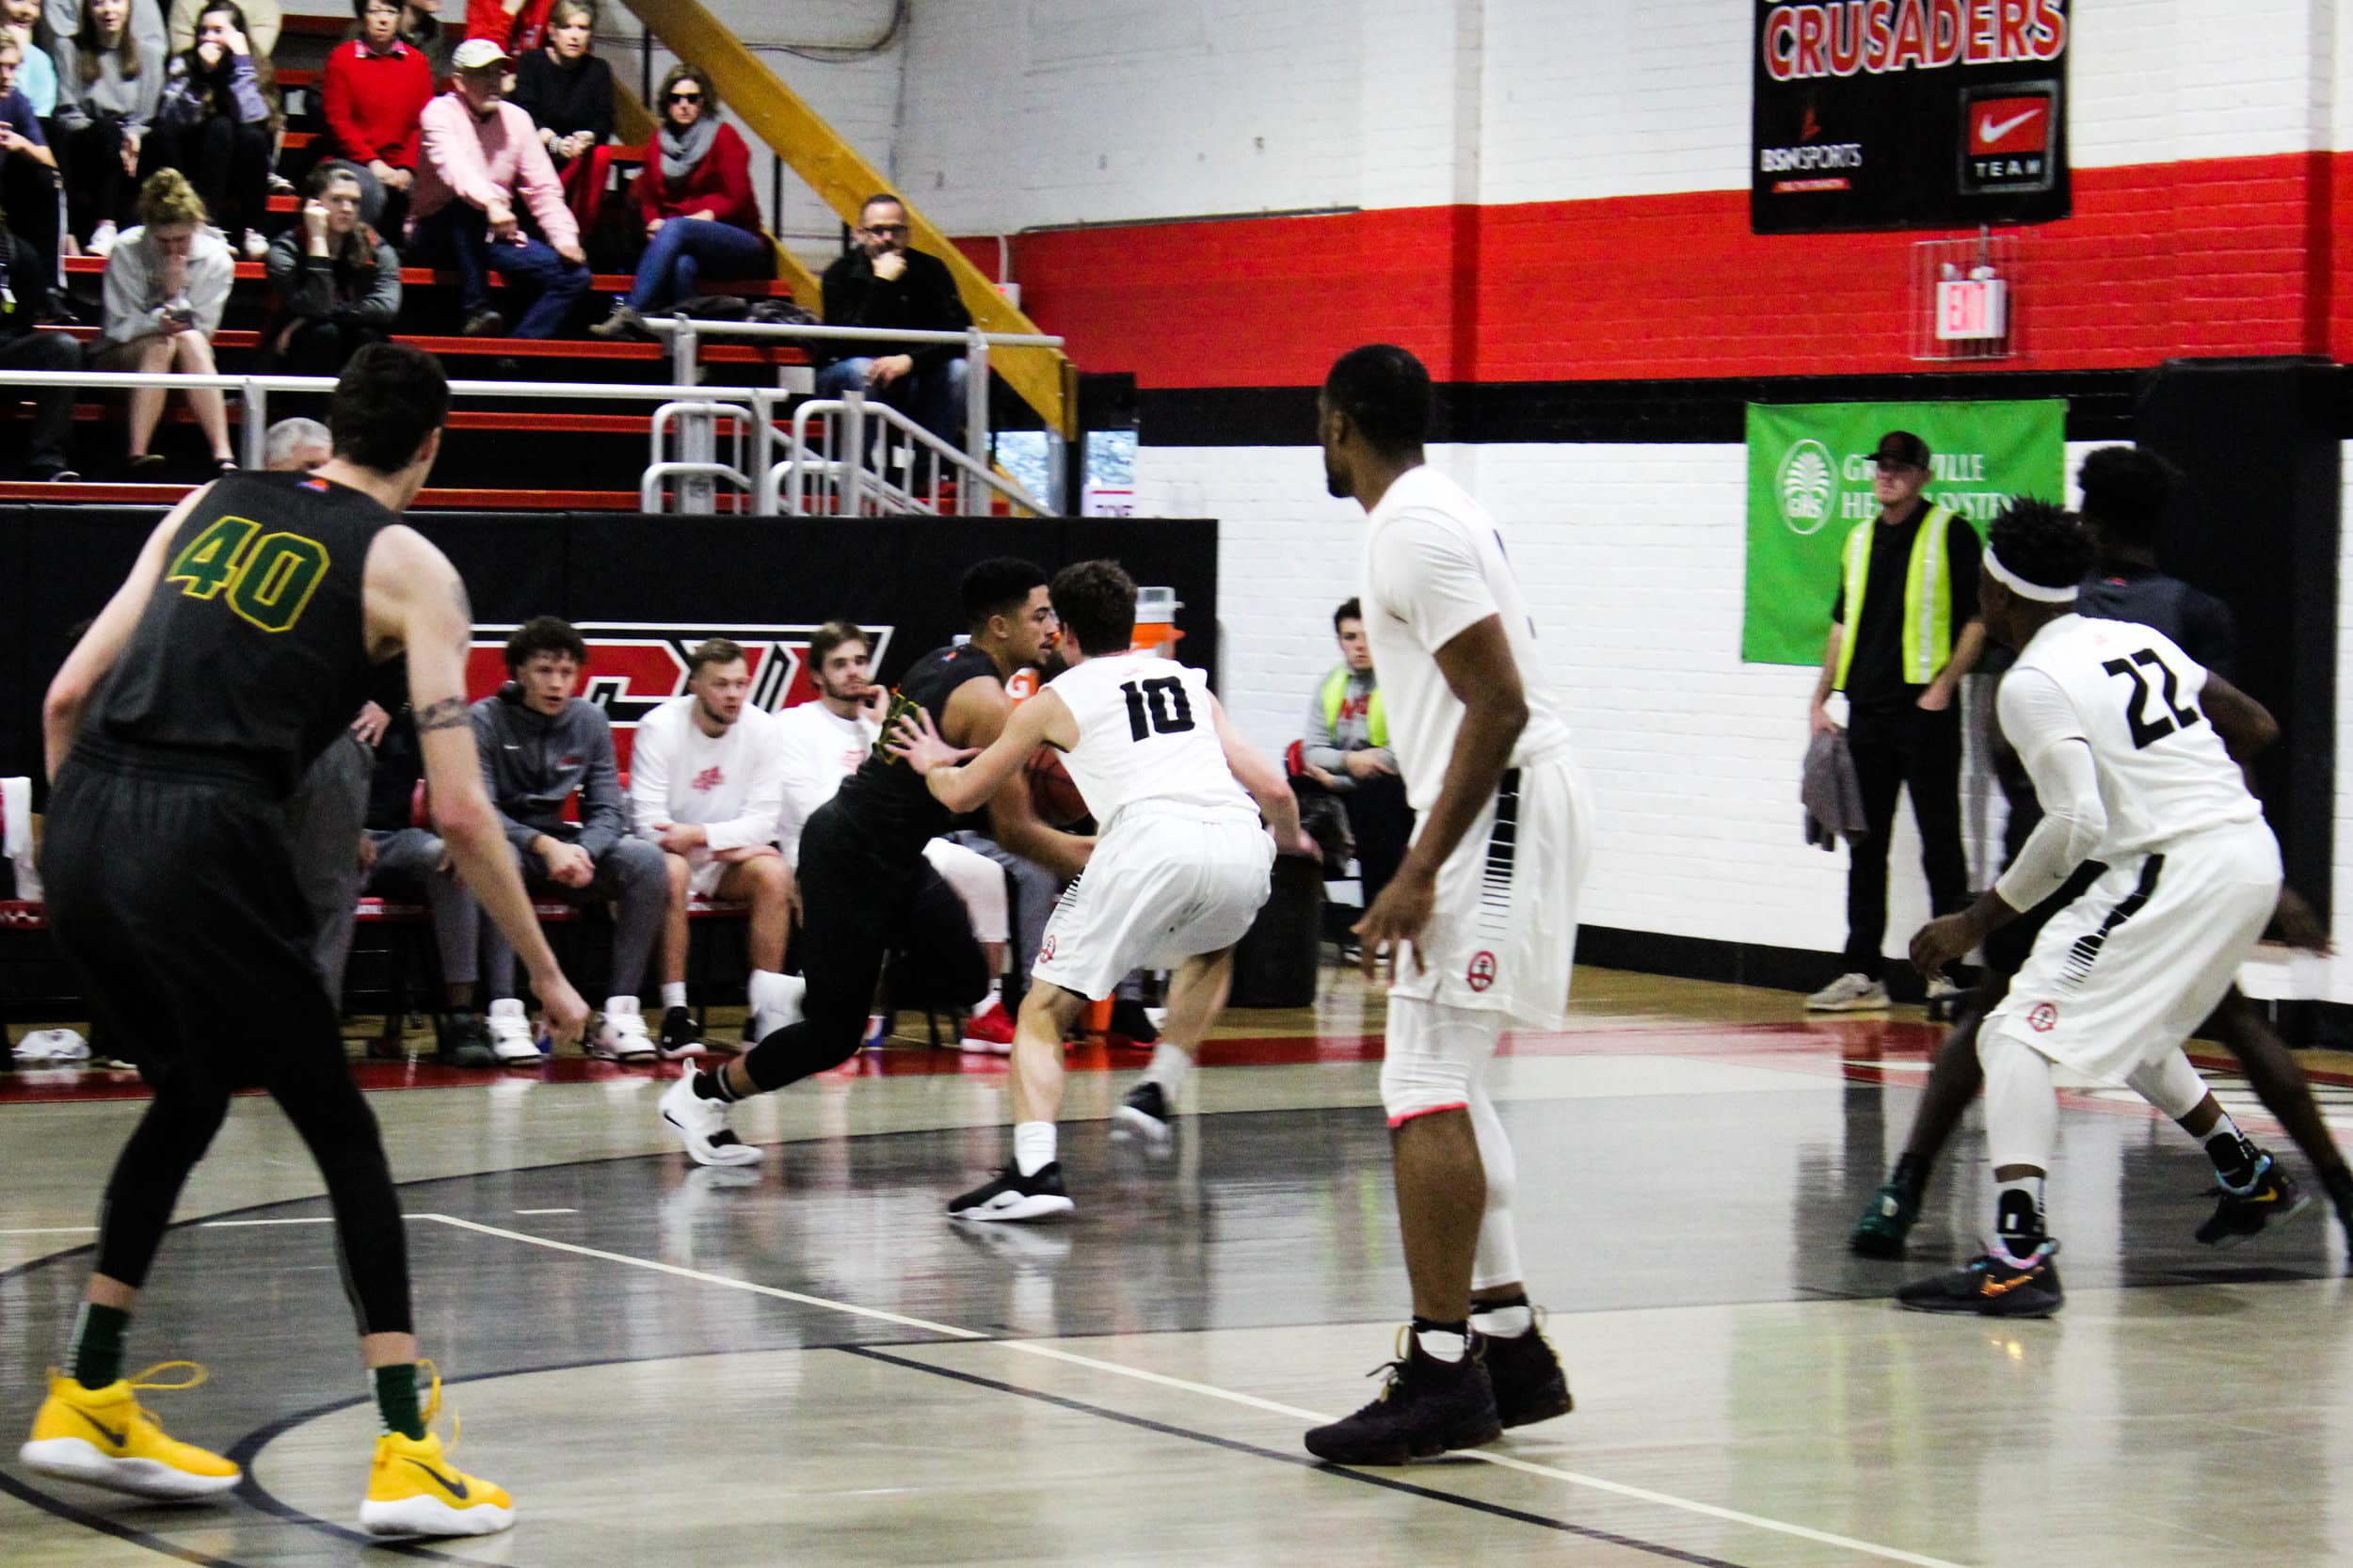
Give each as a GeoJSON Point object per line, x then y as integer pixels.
{"type": "Point", "coordinates": [454, 1488]}
{"type": "Point", "coordinates": [1990, 129]}
{"type": "Point", "coordinates": [116, 1438]}
{"type": "Point", "coordinates": [2003, 1287]}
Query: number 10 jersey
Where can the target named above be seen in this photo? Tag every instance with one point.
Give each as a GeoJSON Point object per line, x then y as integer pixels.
{"type": "Point", "coordinates": [1146, 733]}
{"type": "Point", "coordinates": [2131, 694]}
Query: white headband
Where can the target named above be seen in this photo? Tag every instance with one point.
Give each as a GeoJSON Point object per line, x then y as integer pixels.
{"type": "Point", "coordinates": [2023, 588]}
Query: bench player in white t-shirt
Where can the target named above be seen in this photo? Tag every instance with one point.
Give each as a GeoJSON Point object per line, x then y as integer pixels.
{"type": "Point", "coordinates": [1180, 869]}
{"type": "Point", "coordinates": [2135, 754]}
{"type": "Point", "coordinates": [706, 782]}
{"type": "Point", "coordinates": [1479, 922]}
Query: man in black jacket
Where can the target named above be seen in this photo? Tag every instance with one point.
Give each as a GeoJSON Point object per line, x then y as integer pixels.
{"type": "Point", "coordinates": [883, 283]}
{"type": "Point", "coordinates": [24, 301]}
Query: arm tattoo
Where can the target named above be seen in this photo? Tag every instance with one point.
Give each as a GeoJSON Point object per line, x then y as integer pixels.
{"type": "Point", "coordinates": [449, 714]}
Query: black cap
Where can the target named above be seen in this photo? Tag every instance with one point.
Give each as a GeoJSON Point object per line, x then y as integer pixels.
{"type": "Point", "coordinates": [1901, 446]}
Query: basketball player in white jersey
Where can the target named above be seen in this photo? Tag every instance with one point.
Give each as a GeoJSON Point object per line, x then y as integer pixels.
{"type": "Point", "coordinates": [1180, 869]}
{"type": "Point", "coordinates": [1480, 922]}
{"type": "Point", "coordinates": [2134, 749]}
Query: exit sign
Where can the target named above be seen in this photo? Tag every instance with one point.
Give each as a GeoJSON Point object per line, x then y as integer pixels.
{"type": "Point", "coordinates": [1971, 308]}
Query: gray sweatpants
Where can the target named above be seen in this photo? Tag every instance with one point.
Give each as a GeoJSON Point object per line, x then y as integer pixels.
{"type": "Point", "coordinates": [632, 874]}
{"type": "Point", "coordinates": [407, 864]}
{"type": "Point", "coordinates": [1035, 889]}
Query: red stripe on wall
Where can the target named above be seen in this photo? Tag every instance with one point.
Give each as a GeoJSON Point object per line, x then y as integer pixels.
{"type": "Point", "coordinates": [2217, 257]}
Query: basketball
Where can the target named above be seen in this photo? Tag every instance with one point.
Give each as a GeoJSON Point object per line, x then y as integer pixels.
{"type": "Point", "coordinates": [1057, 800]}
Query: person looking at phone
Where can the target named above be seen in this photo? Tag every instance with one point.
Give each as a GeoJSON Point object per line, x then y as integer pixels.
{"type": "Point", "coordinates": [166, 283]}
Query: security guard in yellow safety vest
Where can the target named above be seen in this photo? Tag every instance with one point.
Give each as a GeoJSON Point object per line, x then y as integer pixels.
{"type": "Point", "coordinates": [1903, 632]}
{"type": "Point", "coordinates": [1346, 750]}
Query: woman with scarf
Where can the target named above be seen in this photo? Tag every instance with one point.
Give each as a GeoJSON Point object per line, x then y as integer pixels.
{"type": "Point", "coordinates": [701, 217]}
{"type": "Point", "coordinates": [216, 123]}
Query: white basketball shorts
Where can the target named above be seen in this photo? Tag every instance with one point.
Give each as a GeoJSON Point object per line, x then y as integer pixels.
{"type": "Point", "coordinates": [1502, 937]}
{"type": "Point", "coordinates": [2120, 977]}
{"type": "Point", "coordinates": [1163, 885]}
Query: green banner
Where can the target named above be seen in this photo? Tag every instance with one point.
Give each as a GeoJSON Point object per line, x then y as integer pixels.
{"type": "Point", "coordinates": [1810, 484]}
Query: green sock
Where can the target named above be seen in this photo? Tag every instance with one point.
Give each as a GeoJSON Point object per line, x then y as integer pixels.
{"type": "Point", "coordinates": [97, 1354]}
{"type": "Point", "coordinates": [396, 1399]}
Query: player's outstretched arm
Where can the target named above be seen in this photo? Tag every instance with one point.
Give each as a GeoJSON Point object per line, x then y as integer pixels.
{"type": "Point", "coordinates": [415, 601]}
{"type": "Point", "coordinates": [102, 644]}
{"type": "Point", "coordinates": [960, 778]}
{"type": "Point", "coordinates": [1266, 784]}
{"type": "Point", "coordinates": [976, 715]}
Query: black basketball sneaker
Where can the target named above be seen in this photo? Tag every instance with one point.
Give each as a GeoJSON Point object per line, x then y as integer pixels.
{"type": "Point", "coordinates": [1426, 1407]}
{"type": "Point", "coordinates": [1524, 1372]}
{"type": "Point", "coordinates": [1011, 1196]}
{"type": "Point", "coordinates": [1145, 1109]}
{"type": "Point", "coordinates": [1992, 1287]}
{"type": "Point", "coordinates": [2240, 1213]}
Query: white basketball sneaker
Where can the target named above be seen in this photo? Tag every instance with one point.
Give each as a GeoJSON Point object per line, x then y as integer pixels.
{"type": "Point", "coordinates": [702, 1125]}
{"type": "Point", "coordinates": [511, 1039]}
{"type": "Point", "coordinates": [621, 1033]}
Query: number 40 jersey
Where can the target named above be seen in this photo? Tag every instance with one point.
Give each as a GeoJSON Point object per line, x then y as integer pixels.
{"type": "Point", "coordinates": [2133, 697]}
{"type": "Point", "coordinates": [1145, 733]}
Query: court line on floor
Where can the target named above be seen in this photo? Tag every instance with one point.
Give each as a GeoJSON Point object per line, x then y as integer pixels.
{"type": "Point", "coordinates": [1390, 1483]}
{"type": "Point", "coordinates": [1025, 1347]}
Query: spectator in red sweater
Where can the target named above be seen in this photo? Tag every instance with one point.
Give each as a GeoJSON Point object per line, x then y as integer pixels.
{"type": "Point", "coordinates": [514, 25]}
{"type": "Point", "coordinates": [702, 216]}
{"type": "Point", "coordinates": [376, 86]}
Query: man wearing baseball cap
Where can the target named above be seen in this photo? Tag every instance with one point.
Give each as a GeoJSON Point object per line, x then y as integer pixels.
{"type": "Point", "coordinates": [479, 151]}
{"type": "Point", "coordinates": [1904, 630]}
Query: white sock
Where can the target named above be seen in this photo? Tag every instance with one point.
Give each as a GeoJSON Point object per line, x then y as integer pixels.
{"type": "Point", "coordinates": [673, 994]}
{"type": "Point", "coordinates": [1443, 1344]}
{"type": "Point", "coordinates": [1504, 1323]}
{"type": "Point", "coordinates": [993, 1002]}
{"type": "Point", "coordinates": [1170, 1063]}
{"type": "Point", "coordinates": [1033, 1146]}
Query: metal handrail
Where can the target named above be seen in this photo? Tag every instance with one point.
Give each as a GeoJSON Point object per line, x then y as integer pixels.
{"type": "Point", "coordinates": [797, 464]}
{"type": "Point", "coordinates": [700, 464]}
{"type": "Point", "coordinates": [686, 332]}
{"type": "Point", "coordinates": [756, 407]}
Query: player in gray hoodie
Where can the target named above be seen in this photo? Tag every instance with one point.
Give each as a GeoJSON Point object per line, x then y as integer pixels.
{"type": "Point", "coordinates": [540, 745]}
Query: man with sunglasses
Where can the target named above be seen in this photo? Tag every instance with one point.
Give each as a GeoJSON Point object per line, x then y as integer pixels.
{"type": "Point", "coordinates": [880, 282]}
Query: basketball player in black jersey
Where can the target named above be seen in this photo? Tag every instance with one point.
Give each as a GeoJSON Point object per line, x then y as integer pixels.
{"type": "Point", "coordinates": [866, 890]}
{"type": "Point", "coordinates": [237, 649]}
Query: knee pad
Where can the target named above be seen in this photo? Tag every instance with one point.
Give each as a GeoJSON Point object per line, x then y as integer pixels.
{"type": "Point", "coordinates": [1433, 1056]}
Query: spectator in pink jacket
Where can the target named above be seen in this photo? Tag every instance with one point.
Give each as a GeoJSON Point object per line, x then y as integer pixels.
{"type": "Point", "coordinates": [480, 151]}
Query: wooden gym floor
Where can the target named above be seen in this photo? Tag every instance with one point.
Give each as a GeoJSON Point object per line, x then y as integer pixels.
{"type": "Point", "coordinates": [814, 1367]}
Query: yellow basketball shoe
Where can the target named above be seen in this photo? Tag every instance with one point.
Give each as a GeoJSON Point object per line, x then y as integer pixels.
{"type": "Point", "coordinates": [105, 1438]}
{"type": "Point", "coordinates": [414, 1489]}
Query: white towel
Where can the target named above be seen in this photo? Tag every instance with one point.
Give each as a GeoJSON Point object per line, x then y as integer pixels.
{"type": "Point", "coordinates": [52, 1045]}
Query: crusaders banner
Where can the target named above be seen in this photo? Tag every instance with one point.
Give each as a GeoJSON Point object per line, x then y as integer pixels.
{"type": "Point", "coordinates": [1810, 484]}
{"type": "Point", "coordinates": [1909, 114]}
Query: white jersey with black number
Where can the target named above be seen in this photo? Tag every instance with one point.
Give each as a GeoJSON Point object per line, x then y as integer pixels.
{"type": "Point", "coordinates": [2131, 694]}
{"type": "Point", "coordinates": [1434, 567]}
{"type": "Point", "coordinates": [1145, 733]}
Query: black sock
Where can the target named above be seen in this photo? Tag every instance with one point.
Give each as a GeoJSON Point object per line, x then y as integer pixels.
{"type": "Point", "coordinates": [1911, 1175]}
{"type": "Point", "coordinates": [2234, 1159]}
{"type": "Point", "coordinates": [97, 1354]}
{"type": "Point", "coordinates": [713, 1085]}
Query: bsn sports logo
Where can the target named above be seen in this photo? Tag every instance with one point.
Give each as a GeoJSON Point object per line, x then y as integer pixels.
{"type": "Point", "coordinates": [1481, 972]}
{"type": "Point", "coordinates": [635, 666]}
{"type": "Point", "coordinates": [1804, 486]}
{"type": "Point", "coordinates": [2044, 1018]}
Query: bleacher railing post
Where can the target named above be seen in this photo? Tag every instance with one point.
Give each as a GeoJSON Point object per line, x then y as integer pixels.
{"type": "Point", "coordinates": [969, 500]}
{"type": "Point", "coordinates": [254, 438]}
{"type": "Point", "coordinates": [849, 451]}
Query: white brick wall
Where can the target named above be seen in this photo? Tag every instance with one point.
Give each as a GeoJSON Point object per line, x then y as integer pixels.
{"type": "Point", "coordinates": [1018, 115]}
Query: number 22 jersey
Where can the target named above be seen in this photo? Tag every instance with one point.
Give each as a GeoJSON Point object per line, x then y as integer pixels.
{"type": "Point", "coordinates": [2131, 694]}
{"type": "Point", "coordinates": [1146, 733]}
